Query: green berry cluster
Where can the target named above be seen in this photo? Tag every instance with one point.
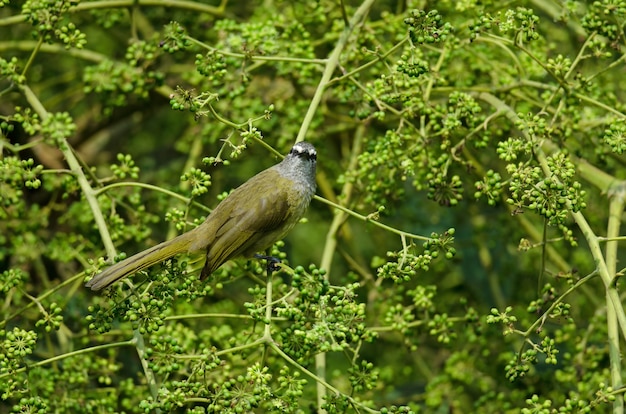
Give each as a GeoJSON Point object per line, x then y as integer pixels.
{"type": "Point", "coordinates": [519, 366]}
{"type": "Point", "coordinates": [17, 177]}
{"type": "Point", "coordinates": [202, 105]}
{"type": "Point", "coordinates": [126, 167]}
{"type": "Point", "coordinates": [600, 48]}
{"type": "Point", "coordinates": [50, 19]}
{"type": "Point", "coordinates": [52, 318]}
{"type": "Point", "coordinates": [28, 120]}
{"type": "Point", "coordinates": [522, 22]}
{"type": "Point", "coordinates": [99, 319]}
{"type": "Point", "coordinates": [538, 306]}
{"type": "Point", "coordinates": [490, 187]}
{"type": "Point", "coordinates": [441, 244]}
{"type": "Point", "coordinates": [243, 393]}
{"type": "Point", "coordinates": [35, 405]}
{"type": "Point", "coordinates": [427, 27]}
{"type": "Point", "coordinates": [559, 66]}
{"type": "Point", "coordinates": [605, 394]}
{"type": "Point", "coordinates": [250, 134]}
{"type": "Point", "coordinates": [422, 298]}
{"type": "Point", "coordinates": [16, 174]}
{"type": "Point", "coordinates": [552, 197]}
{"type": "Point", "coordinates": [606, 17]}
{"type": "Point", "coordinates": [275, 36]}
{"type": "Point", "coordinates": [108, 18]}
{"type": "Point", "coordinates": [452, 126]}
{"type": "Point", "coordinates": [322, 317]}
{"type": "Point", "coordinates": [442, 327]}
{"type": "Point", "coordinates": [10, 69]}
{"type": "Point", "coordinates": [253, 38]}
{"type": "Point", "coordinates": [412, 66]}
{"type": "Point", "coordinates": [290, 388]}
{"type": "Point", "coordinates": [168, 399]}
{"type": "Point", "coordinates": [71, 36]}
{"type": "Point", "coordinates": [562, 311]}
{"type": "Point", "coordinates": [363, 376]}
{"type": "Point", "coordinates": [146, 314]}
{"type": "Point", "coordinates": [404, 265]}
{"type": "Point", "coordinates": [388, 159]}
{"type": "Point", "coordinates": [510, 149]}
{"type": "Point", "coordinates": [57, 127]}
{"type": "Point", "coordinates": [183, 99]}
{"type": "Point", "coordinates": [199, 180]}
{"type": "Point", "coordinates": [178, 217]}
{"type": "Point", "coordinates": [142, 53]}
{"type": "Point", "coordinates": [504, 318]}
{"type": "Point", "coordinates": [615, 135]}
{"type": "Point", "coordinates": [18, 344]}
{"type": "Point", "coordinates": [447, 191]}
{"type": "Point", "coordinates": [162, 354]}
{"type": "Point", "coordinates": [118, 81]}
{"type": "Point", "coordinates": [295, 40]}
{"type": "Point", "coordinates": [256, 308]}
{"type": "Point", "coordinates": [429, 159]}
{"type": "Point", "coordinates": [134, 226]}
{"type": "Point", "coordinates": [527, 22]}
{"type": "Point", "coordinates": [533, 124]}
{"type": "Point", "coordinates": [212, 66]}
{"type": "Point", "coordinates": [399, 318]}
{"type": "Point", "coordinates": [336, 403]}
{"type": "Point", "coordinates": [549, 349]}
{"type": "Point", "coordinates": [483, 24]}
{"type": "Point", "coordinates": [187, 286]}
{"type": "Point", "coordinates": [462, 111]}
{"type": "Point", "coordinates": [538, 406]}
{"type": "Point", "coordinates": [12, 278]}
{"type": "Point", "coordinates": [174, 38]}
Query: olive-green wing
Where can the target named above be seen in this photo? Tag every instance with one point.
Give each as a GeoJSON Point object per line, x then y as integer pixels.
{"type": "Point", "coordinates": [245, 218]}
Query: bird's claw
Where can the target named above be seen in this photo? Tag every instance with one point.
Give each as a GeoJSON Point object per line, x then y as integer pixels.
{"type": "Point", "coordinates": [272, 262]}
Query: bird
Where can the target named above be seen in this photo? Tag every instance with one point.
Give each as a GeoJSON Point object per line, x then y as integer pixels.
{"type": "Point", "coordinates": [249, 220]}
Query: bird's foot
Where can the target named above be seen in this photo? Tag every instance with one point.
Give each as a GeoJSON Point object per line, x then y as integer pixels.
{"type": "Point", "coordinates": [272, 262]}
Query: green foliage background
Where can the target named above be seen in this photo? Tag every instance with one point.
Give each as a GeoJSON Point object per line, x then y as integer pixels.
{"type": "Point", "coordinates": [462, 254]}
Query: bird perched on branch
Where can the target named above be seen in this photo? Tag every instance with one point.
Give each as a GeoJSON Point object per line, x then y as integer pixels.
{"type": "Point", "coordinates": [252, 218]}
